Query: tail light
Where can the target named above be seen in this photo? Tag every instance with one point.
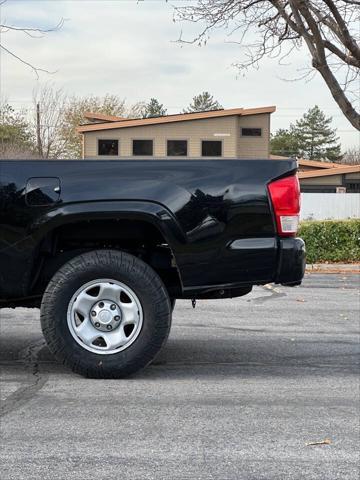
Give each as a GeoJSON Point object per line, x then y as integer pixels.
{"type": "Point", "coordinates": [285, 197]}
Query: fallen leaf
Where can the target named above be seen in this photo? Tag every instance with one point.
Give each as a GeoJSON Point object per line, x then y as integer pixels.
{"type": "Point", "coordinates": [321, 442]}
{"type": "Point", "coordinates": [300, 300]}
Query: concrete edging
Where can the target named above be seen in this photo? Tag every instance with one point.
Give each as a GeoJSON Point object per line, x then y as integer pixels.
{"type": "Point", "coordinates": [333, 268]}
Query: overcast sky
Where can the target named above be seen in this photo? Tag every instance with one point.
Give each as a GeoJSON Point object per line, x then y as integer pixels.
{"type": "Point", "coordinates": [129, 48]}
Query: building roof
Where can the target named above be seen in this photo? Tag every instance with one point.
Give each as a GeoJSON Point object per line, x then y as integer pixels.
{"type": "Point", "coordinates": [278, 157]}
{"type": "Point", "coordinates": [317, 164]}
{"type": "Point", "coordinates": [338, 170]}
{"type": "Point", "coordinates": [309, 163]}
{"type": "Point", "coordinates": [181, 117]}
{"type": "Point", "coordinates": [96, 117]}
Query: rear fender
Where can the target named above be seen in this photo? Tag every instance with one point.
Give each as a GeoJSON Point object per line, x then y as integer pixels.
{"type": "Point", "coordinates": [23, 260]}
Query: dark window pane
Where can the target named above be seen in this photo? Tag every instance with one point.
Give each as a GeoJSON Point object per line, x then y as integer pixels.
{"type": "Point", "coordinates": [108, 147]}
{"type": "Point", "coordinates": [317, 189]}
{"type": "Point", "coordinates": [142, 147]}
{"type": "Point", "coordinates": [353, 187]}
{"type": "Point", "coordinates": [177, 148]}
{"type": "Point", "coordinates": [211, 148]}
{"type": "Point", "coordinates": [251, 132]}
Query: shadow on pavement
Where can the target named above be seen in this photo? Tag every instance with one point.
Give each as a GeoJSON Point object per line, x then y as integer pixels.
{"type": "Point", "coordinates": [252, 354]}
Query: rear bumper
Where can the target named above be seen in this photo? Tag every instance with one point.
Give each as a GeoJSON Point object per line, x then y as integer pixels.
{"type": "Point", "coordinates": [292, 261]}
{"type": "Point", "coordinates": [248, 262]}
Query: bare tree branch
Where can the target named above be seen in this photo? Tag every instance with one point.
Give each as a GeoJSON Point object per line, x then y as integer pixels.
{"type": "Point", "coordinates": [36, 70]}
{"type": "Point", "coordinates": [51, 103]}
{"type": "Point", "coordinates": [348, 40]}
{"type": "Point", "coordinates": [328, 29]}
{"type": "Point", "coordinates": [33, 32]}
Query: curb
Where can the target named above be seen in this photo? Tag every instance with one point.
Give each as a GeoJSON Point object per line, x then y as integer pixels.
{"type": "Point", "coordinates": [333, 268]}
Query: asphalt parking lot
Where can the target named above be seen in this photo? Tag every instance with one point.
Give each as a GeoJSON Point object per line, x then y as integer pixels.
{"type": "Point", "coordinates": [240, 389]}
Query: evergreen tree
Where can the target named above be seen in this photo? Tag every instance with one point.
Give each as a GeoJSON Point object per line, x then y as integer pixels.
{"type": "Point", "coordinates": [203, 103]}
{"type": "Point", "coordinates": [154, 109]}
{"type": "Point", "coordinates": [285, 143]}
{"type": "Point", "coordinates": [315, 137]}
{"type": "Point", "coordinates": [310, 137]}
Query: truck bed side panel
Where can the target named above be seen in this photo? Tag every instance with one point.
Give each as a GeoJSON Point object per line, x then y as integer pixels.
{"type": "Point", "coordinates": [222, 230]}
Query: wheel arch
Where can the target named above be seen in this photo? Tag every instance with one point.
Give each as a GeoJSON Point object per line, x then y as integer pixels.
{"type": "Point", "coordinates": [160, 227]}
{"type": "Point", "coordinates": [151, 212]}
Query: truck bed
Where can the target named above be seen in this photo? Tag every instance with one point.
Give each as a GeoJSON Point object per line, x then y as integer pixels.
{"type": "Point", "coordinates": [214, 215]}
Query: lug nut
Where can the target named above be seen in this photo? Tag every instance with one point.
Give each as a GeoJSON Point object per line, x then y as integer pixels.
{"type": "Point", "coordinates": [113, 307]}
{"type": "Point", "coordinates": [93, 313]}
{"type": "Point", "coordinates": [109, 327]}
{"type": "Point", "coordinates": [117, 318]}
{"type": "Point", "coordinates": [97, 324]}
{"type": "Point", "coordinates": [101, 304]}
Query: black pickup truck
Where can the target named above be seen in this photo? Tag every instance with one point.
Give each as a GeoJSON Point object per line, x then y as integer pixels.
{"type": "Point", "coordinates": [105, 248]}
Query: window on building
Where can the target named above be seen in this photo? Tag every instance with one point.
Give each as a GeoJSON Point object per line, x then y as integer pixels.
{"type": "Point", "coordinates": [108, 147]}
{"type": "Point", "coordinates": [251, 132]}
{"type": "Point", "coordinates": [353, 187]}
{"type": "Point", "coordinates": [211, 148]}
{"type": "Point", "coordinates": [177, 148]}
{"type": "Point", "coordinates": [318, 189]}
{"type": "Point", "coordinates": [143, 147]}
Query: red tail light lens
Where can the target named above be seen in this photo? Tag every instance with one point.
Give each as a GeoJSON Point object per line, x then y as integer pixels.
{"type": "Point", "coordinates": [285, 197]}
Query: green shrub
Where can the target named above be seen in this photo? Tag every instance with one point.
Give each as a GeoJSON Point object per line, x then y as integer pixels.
{"type": "Point", "coordinates": [331, 240]}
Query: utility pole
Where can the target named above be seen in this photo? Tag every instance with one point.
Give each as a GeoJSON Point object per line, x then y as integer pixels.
{"type": "Point", "coordinates": [38, 131]}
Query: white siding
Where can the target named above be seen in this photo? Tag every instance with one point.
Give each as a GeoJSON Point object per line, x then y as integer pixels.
{"type": "Point", "coordinates": [330, 206]}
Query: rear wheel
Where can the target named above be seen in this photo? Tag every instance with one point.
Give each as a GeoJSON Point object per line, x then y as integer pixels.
{"type": "Point", "coordinates": [106, 314]}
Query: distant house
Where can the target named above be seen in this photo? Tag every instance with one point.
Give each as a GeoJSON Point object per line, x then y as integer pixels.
{"type": "Point", "coordinates": [341, 178]}
{"type": "Point", "coordinates": [326, 177]}
{"type": "Point", "coordinates": [234, 133]}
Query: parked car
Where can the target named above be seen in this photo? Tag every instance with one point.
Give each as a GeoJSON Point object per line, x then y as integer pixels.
{"type": "Point", "coordinates": [105, 248]}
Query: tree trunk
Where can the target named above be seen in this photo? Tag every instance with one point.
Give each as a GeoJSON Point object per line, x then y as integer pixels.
{"type": "Point", "coordinates": [38, 131]}
{"type": "Point", "coordinates": [339, 96]}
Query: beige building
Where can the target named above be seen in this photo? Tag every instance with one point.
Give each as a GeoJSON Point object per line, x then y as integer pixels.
{"type": "Point", "coordinates": [234, 133]}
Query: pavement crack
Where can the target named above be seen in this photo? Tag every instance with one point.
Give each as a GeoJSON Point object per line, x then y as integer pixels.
{"type": "Point", "coordinates": [28, 357]}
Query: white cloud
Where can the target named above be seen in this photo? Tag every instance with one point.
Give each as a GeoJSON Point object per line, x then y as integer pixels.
{"type": "Point", "coordinates": [129, 48]}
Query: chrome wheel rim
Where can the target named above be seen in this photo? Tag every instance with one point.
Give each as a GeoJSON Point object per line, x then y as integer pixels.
{"type": "Point", "coordinates": [105, 316]}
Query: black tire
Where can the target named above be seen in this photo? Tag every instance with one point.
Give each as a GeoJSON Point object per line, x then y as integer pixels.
{"type": "Point", "coordinates": [173, 303]}
{"type": "Point", "coordinates": [121, 267]}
